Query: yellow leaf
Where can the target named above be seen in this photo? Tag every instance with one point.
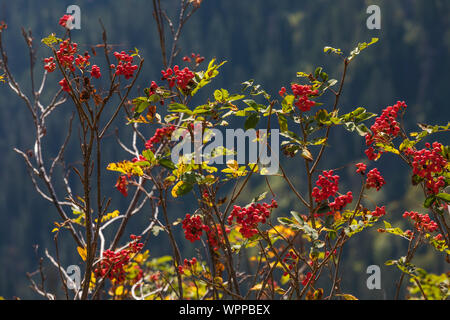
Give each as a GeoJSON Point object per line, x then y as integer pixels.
{"type": "Point", "coordinates": [256, 287]}
{"type": "Point", "coordinates": [109, 216]}
{"type": "Point", "coordinates": [55, 229]}
{"type": "Point", "coordinates": [232, 164]}
{"type": "Point", "coordinates": [93, 281]}
{"type": "Point", "coordinates": [119, 291]}
{"type": "Point", "coordinates": [126, 167]}
{"type": "Point", "coordinates": [175, 188]}
{"type": "Point", "coordinates": [347, 296]}
{"type": "Point", "coordinates": [82, 253]}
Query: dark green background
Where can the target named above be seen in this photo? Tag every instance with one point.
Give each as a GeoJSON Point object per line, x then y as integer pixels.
{"type": "Point", "coordinates": [268, 41]}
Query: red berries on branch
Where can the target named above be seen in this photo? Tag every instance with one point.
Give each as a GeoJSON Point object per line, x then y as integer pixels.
{"type": "Point", "coordinates": [82, 61]}
{"type": "Point", "coordinates": [375, 180]}
{"type": "Point", "coordinates": [329, 184]}
{"type": "Point", "coordinates": [50, 65]}
{"type": "Point", "coordinates": [307, 278]}
{"type": "Point", "coordinates": [384, 129]}
{"type": "Point", "coordinates": [95, 72]}
{"type": "Point", "coordinates": [340, 202]}
{"type": "Point", "coordinates": [113, 263]}
{"type": "Point", "coordinates": [361, 168]}
{"type": "Point", "coordinates": [64, 19]}
{"type": "Point", "coordinates": [65, 54]}
{"type": "Point", "coordinates": [125, 67]}
{"type": "Point", "coordinates": [193, 227]}
{"type": "Point", "coordinates": [427, 164]}
{"type": "Point", "coordinates": [64, 85]}
{"type": "Point", "coordinates": [422, 222]}
{"type": "Point", "coordinates": [159, 136]}
{"type": "Point", "coordinates": [379, 212]}
{"type": "Point", "coordinates": [177, 76]}
{"type": "Point", "coordinates": [302, 94]}
{"type": "Point", "coordinates": [194, 58]}
{"type": "Point", "coordinates": [291, 260]}
{"type": "Point", "coordinates": [187, 264]}
{"type": "Point", "coordinates": [122, 184]}
{"type": "Point", "coordinates": [215, 236]}
{"type": "Point", "coordinates": [249, 217]}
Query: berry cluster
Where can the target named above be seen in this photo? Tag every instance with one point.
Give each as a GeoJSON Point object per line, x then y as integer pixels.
{"type": "Point", "coordinates": [193, 227]}
{"type": "Point", "coordinates": [125, 66]}
{"type": "Point", "coordinates": [249, 217]}
{"type": "Point", "coordinates": [427, 163]}
{"type": "Point", "coordinates": [215, 236]}
{"type": "Point", "coordinates": [291, 260]}
{"type": "Point", "coordinates": [385, 127]}
{"type": "Point", "coordinates": [329, 184]}
{"type": "Point", "coordinates": [180, 77]}
{"type": "Point", "coordinates": [422, 221]}
{"type": "Point", "coordinates": [113, 265]}
{"type": "Point", "coordinates": [122, 184]}
{"type": "Point", "coordinates": [64, 19]}
{"type": "Point", "coordinates": [302, 95]}
{"type": "Point", "coordinates": [66, 53]}
{"type": "Point", "coordinates": [379, 212]}
{"type": "Point", "coordinates": [95, 72]}
{"type": "Point", "coordinates": [64, 85]}
{"type": "Point", "coordinates": [375, 180]}
{"type": "Point", "coordinates": [196, 58]}
{"type": "Point", "coordinates": [187, 264]}
{"type": "Point", "coordinates": [361, 168]}
{"type": "Point", "coordinates": [159, 135]}
{"type": "Point", "coordinates": [50, 65]}
{"type": "Point", "coordinates": [341, 201]}
{"type": "Point", "coordinates": [83, 61]}
{"type": "Point", "coordinates": [306, 278]}
{"type": "Point", "coordinates": [152, 88]}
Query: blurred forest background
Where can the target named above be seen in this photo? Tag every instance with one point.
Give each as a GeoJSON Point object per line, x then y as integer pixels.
{"type": "Point", "coordinates": [268, 41]}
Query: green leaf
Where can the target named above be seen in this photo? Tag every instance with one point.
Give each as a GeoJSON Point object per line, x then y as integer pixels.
{"type": "Point", "coordinates": [206, 76]}
{"type": "Point", "coordinates": [361, 47]}
{"type": "Point", "coordinates": [282, 121]}
{"type": "Point", "coordinates": [251, 103]}
{"type": "Point", "coordinates": [149, 155]}
{"type": "Point", "coordinates": [178, 107]}
{"type": "Point", "coordinates": [251, 121]}
{"type": "Point", "coordinates": [429, 201]}
{"type": "Point", "coordinates": [362, 129]}
{"type": "Point", "coordinates": [50, 40]}
{"type": "Point", "coordinates": [167, 164]}
{"type": "Point", "coordinates": [318, 72]}
{"type": "Point", "coordinates": [396, 231]}
{"type": "Point", "coordinates": [221, 95]}
{"type": "Point", "coordinates": [286, 104]}
{"type": "Point", "coordinates": [262, 196]}
{"type": "Point", "coordinates": [443, 196]}
{"type": "Point", "coordinates": [141, 104]}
